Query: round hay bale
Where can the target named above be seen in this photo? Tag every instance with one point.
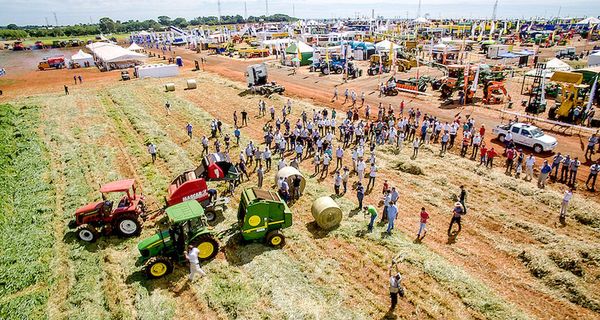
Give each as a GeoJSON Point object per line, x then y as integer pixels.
{"type": "Point", "coordinates": [170, 86]}
{"type": "Point", "coordinates": [288, 174]}
{"type": "Point", "coordinates": [191, 84]}
{"type": "Point", "coordinates": [326, 212]}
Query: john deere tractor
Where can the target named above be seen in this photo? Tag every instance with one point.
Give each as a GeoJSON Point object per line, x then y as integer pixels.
{"type": "Point", "coordinates": [187, 226]}
{"type": "Point", "coordinates": [262, 214]}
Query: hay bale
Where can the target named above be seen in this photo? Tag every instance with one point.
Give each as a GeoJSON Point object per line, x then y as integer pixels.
{"type": "Point", "coordinates": [288, 174]}
{"type": "Point", "coordinates": [326, 212]}
{"type": "Point", "coordinates": [170, 86]}
{"type": "Point", "coordinates": [191, 84]}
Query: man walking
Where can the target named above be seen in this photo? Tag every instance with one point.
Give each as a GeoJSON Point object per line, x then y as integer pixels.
{"type": "Point", "coordinates": [462, 198]}
{"type": "Point", "coordinates": [423, 225]}
{"type": "Point", "coordinates": [168, 108]}
{"type": "Point", "coordinates": [152, 151]}
{"type": "Point", "coordinates": [392, 213]}
{"type": "Point", "coordinates": [339, 155]}
{"type": "Point", "coordinates": [337, 182]}
{"type": "Point", "coordinates": [372, 175]}
{"type": "Point", "coordinates": [66, 90]}
{"type": "Point", "coordinates": [192, 256]}
{"type": "Point", "coordinates": [244, 117]}
{"type": "Point", "coordinates": [573, 167]}
{"type": "Point", "coordinates": [395, 287]}
{"type": "Point", "coordinates": [544, 172]}
{"type": "Point", "coordinates": [457, 213]}
{"type": "Point", "coordinates": [360, 194]}
{"type": "Point", "coordinates": [529, 167]}
{"type": "Point", "coordinates": [594, 169]}
{"type": "Point", "coordinates": [565, 204]}
{"type": "Point", "coordinates": [188, 128]}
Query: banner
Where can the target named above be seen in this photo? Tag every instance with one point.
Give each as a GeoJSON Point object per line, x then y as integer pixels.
{"type": "Point", "coordinates": [592, 96]}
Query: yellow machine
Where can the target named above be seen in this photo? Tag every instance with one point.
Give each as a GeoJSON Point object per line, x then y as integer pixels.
{"type": "Point", "coordinates": [253, 53]}
{"type": "Point", "coordinates": [570, 84]}
{"type": "Point", "coordinates": [406, 64]}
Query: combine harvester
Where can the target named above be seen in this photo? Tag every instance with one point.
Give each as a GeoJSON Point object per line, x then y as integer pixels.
{"type": "Point", "coordinates": [57, 62]}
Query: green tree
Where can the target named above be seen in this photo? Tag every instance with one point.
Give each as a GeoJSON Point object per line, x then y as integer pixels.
{"type": "Point", "coordinates": [12, 26]}
{"type": "Point", "coordinates": [180, 22]}
{"type": "Point", "coordinates": [164, 20]}
{"type": "Point", "coordinates": [107, 25]}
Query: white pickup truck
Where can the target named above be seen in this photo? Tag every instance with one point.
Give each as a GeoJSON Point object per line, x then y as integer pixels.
{"type": "Point", "coordinates": [526, 135]}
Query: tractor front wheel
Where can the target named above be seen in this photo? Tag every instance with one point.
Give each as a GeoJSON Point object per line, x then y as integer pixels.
{"type": "Point", "coordinates": [275, 239]}
{"type": "Point", "coordinates": [208, 247]}
{"type": "Point", "coordinates": [87, 233]}
{"type": "Point", "coordinates": [128, 225]}
{"type": "Point", "coordinates": [158, 267]}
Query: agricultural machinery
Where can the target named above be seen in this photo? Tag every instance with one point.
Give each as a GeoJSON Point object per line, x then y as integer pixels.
{"type": "Point", "coordinates": [568, 53]}
{"type": "Point", "coordinates": [336, 65]}
{"type": "Point", "coordinates": [187, 226]}
{"type": "Point", "coordinates": [379, 63]}
{"type": "Point", "coordinates": [18, 46]}
{"type": "Point", "coordinates": [191, 185]}
{"type": "Point", "coordinates": [261, 214]}
{"type": "Point", "coordinates": [102, 217]}
{"type": "Point", "coordinates": [353, 71]}
{"type": "Point", "coordinates": [256, 78]}
{"type": "Point", "coordinates": [57, 62]}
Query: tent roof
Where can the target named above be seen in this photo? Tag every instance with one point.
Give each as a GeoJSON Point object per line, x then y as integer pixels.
{"type": "Point", "coordinates": [421, 20]}
{"type": "Point", "coordinates": [385, 45]}
{"type": "Point", "coordinates": [293, 48]}
{"type": "Point", "coordinates": [134, 46]}
{"type": "Point", "coordinates": [114, 53]}
{"type": "Point", "coordinates": [557, 65]}
{"type": "Point", "coordinates": [81, 55]}
{"type": "Point", "coordinates": [590, 20]}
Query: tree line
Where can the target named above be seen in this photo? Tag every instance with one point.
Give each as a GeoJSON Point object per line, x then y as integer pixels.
{"type": "Point", "coordinates": [108, 25]}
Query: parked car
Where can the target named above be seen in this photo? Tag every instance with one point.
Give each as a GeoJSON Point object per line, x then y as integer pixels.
{"type": "Point", "coordinates": [526, 135]}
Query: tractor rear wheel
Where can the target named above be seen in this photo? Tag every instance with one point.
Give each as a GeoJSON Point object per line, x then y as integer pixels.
{"type": "Point", "coordinates": [208, 247]}
{"type": "Point", "coordinates": [128, 225]}
{"type": "Point", "coordinates": [158, 267]}
{"type": "Point", "coordinates": [275, 239]}
{"type": "Point", "coordinates": [87, 233]}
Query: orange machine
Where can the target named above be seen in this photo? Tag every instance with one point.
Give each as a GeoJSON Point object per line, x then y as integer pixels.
{"type": "Point", "coordinates": [495, 93]}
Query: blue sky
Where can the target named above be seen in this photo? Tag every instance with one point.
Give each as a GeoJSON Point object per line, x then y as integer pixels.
{"type": "Point", "coordinates": [81, 11]}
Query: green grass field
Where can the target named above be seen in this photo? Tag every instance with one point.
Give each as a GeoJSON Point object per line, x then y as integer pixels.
{"type": "Point", "coordinates": [56, 150]}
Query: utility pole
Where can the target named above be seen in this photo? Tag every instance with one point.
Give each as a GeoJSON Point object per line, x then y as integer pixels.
{"type": "Point", "coordinates": [47, 24]}
{"type": "Point", "coordinates": [419, 10]}
{"type": "Point", "coordinates": [267, 8]}
{"type": "Point", "coordinates": [91, 20]}
{"type": "Point", "coordinates": [55, 19]}
{"type": "Point", "coordinates": [558, 14]}
{"type": "Point", "coordinates": [293, 10]}
{"type": "Point", "coordinates": [219, 10]}
{"type": "Point", "coordinates": [495, 10]}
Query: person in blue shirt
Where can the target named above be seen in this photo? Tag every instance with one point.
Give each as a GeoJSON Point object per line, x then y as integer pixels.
{"type": "Point", "coordinates": [236, 134]}
{"type": "Point", "coordinates": [392, 213]}
{"type": "Point", "coordinates": [544, 172]}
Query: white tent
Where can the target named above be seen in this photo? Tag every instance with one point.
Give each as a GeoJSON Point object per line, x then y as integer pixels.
{"type": "Point", "coordinates": [112, 56]}
{"type": "Point", "coordinates": [557, 65]}
{"type": "Point", "coordinates": [134, 47]}
{"type": "Point", "coordinates": [421, 20]}
{"type": "Point", "coordinates": [594, 59]}
{"type": "Point", "coordinates": [81, 58]}
{"type": "Point", "coordinates": [385, 45]}
{"type": "Point", "coordinates": [590, 20]}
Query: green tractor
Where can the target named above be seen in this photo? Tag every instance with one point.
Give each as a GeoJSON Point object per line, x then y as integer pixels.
{"type": "Point", "coordinates": [261, 215]}
{"type": "Point", "coordinates": [187, 226]}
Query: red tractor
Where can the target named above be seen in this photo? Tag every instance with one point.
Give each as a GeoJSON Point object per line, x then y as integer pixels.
{"type": "Point", "coordinates": [102, 216]}
{"type": "Point", "coordinates": [191, 185]}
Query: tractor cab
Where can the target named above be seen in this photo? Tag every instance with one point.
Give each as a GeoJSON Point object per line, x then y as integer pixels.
{"type": "Point", "coordinates": [262, 214]}
{"type": "Point", "coordinates": [187, 226]}
{"type": "Point", "coordinates": [119, 210]}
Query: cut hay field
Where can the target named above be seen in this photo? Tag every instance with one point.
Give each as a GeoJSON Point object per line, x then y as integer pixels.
{"type": "Point", "coordinates": [511, 261]}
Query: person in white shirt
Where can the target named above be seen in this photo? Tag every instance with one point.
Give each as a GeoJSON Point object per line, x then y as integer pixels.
{"type": "Point", "coordinates": [152, 151]}
{"type": "Point", "coordinates": [360, 169]}
{"type": "Point", "coordinates": [339, 155]}
{"type": "Point", "coordinates": [192, 256]}
{"type": "Point", "coordinates": [337, 182]}
{"type": "Point", "coordinates": [372, 175]}
{"type": "Point", "coordinates": [416, 145]}
{"type": "Point", "coordinates": [281, 164]}
{"type": "Point", "coordinates": [529, 162]}
{"type": "Point", "coordinates": [565, 204]}
{"type": "Point", "coordinates": [326, 160]}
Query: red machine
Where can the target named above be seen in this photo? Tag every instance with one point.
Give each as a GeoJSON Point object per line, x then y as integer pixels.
{"type": "Point", "coordinates": [191, 185]}
{"type": "Point", "coordinates": [495, 93]}
{"type": "Point", "coordinates": [57, 62]}
{"type": "Point", "coordinates": [101, 216]}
